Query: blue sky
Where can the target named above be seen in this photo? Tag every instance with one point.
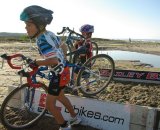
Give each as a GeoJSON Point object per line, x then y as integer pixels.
{"type": "Point", "coordinates": [113, 19]}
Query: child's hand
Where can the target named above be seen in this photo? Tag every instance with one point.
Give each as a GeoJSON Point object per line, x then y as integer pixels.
{"type": "Point", "coordinates": [82, 50]}
{"type": "Point", "coordinates": [32, 63]}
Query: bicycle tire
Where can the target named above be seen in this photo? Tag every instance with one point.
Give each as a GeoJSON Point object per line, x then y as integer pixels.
{"type": "Point", "coordinates": [91, 78]}
{"type": "Point", "coordinates": [95, 48]}
{"type": "Point", "coordinates": [18, 115]}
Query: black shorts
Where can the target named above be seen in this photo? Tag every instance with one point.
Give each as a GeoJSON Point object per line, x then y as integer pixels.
{"type": "Point", "coordinates": [54, 88]}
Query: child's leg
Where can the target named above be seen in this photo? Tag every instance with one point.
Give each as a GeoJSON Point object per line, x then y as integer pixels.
{"type": "Point", "coordinates": [66, 102]}
{"type": "Point", "coordinates": [51, 106]}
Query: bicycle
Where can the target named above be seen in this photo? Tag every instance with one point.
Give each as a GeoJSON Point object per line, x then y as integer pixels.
{"type": "Point", "coordinates": [74, 36]}
{"type": "Point", "coordinates": [23, 115]}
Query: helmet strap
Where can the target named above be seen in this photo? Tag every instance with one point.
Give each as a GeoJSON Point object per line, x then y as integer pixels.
{"type": "Point", "coordinates": [35, 35]}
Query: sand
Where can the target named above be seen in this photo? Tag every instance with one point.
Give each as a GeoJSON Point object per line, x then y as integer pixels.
{"type": "Point", "coordinates": [127, 93]}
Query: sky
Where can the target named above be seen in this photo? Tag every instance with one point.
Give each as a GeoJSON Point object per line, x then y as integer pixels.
{"type": "Point", "coordinates": [112, 19]}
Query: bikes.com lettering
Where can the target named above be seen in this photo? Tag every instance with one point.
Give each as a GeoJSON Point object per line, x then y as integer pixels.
{"type": "Point", "coordinates": [97, 115]}
{"type": "Point", "coordinates": [84, 112]}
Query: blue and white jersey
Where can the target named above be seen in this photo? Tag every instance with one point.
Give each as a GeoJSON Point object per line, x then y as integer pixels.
{"type": "Point", "coordinates": [48, 44]}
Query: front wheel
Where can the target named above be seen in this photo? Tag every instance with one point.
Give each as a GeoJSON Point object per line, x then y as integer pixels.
{"type": "Point", "coordinates": [96, 74]}
{"type": "Point", "coordinates": [20, 110]}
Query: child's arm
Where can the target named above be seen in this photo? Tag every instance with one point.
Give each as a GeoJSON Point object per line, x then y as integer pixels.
{"type": "Point", "coordinates": [64, 47]}
{"type": "Point", "coordinates": [47, 62]}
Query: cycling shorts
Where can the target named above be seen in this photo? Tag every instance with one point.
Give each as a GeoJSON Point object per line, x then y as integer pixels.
{"type": "Point", "coordinates": [59, 81]}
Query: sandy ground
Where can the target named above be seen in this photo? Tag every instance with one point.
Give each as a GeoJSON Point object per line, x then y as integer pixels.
{"type": "Point", "coordinates": [119, 92]}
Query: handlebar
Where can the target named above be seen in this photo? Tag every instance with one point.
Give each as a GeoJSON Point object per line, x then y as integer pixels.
{"type": "Point", "coordinates": [9, 59]}
{"type": "Point", "coordinates": [22, 73]}
{"type": "Point", "coordinates": [70, 31]}
{"type": "Point", "coordinates": [63, 30]}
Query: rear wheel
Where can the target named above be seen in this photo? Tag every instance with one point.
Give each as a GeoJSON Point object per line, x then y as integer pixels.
{"type": "Point", "coordinates": [96, 74]}
{"type": "Point", "coordinates": [19, 109]}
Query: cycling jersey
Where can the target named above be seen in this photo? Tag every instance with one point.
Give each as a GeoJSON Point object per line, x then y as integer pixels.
{"type": "Point", "coordinates": [88, 54]}
{"type": "Point", "coordinates": [88, 45]}
{"type": "Point", "coordinates": [48, 45]}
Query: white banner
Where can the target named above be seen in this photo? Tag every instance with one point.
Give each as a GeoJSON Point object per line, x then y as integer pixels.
{"type": "Point", "coordinates": [103, 115]}
{"type": "Point", "coordinates": [98, 114]}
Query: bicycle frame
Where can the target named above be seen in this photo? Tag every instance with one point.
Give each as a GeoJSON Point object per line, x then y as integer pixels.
{"type": "Point", "coordinates": [31, 76]}
{"type": "Point", "coordinates": [74, 36]}
{"type": "Point", "coordinates": [32, 82]}
{"type": "Point", "coordinates": [70, 37]}
{"type": "Point", "coordinates": [88, 79]}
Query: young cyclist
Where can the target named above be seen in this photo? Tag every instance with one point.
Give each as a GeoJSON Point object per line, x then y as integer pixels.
{"type": "Point", "coordinates": [36, 19]}
{"type": "Point", "coordinates": [86, 31]}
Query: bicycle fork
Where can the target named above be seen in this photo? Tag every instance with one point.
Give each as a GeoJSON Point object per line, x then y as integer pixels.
{"type": "Point", "coordinates": [30, 92]}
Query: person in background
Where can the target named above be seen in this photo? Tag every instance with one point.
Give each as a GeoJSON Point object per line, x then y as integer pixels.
{"type": "Point", "coordinates": [86, 31]}
{"type": "Point", "coordinates": [49, 45]}
{"type": "Point", "coordinates": [85, 45]}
